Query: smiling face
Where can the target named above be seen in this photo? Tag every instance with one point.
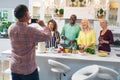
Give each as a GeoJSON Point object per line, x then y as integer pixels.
{"type": "Point", "coordinates": [84, 24]}
{"type": "Point", "coordinates": [52, 25]}
{"type": "Point", "coordinates": [73, 19]}
{"type": "Point", "coordinates": [103, 24]}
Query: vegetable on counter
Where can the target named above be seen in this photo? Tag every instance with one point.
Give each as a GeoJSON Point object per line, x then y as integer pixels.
{"type": "Point", "coordinates": [89, 50]}
{"type": "Point", "coordinates": [102, 53]}
{"type": "Point", "coordinates": [81, 51]}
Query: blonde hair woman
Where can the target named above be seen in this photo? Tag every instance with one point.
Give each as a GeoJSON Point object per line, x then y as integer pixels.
{"type": "Point", "coordinates": [87, 36]}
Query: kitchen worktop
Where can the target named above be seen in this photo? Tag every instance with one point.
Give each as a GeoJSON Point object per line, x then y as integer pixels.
{"type": "Point", "coordinates": [110, 58]}
{"type": "Point", "coordinates": [80, 56]}
{"type": "Point", "coordinates": [74, 61]}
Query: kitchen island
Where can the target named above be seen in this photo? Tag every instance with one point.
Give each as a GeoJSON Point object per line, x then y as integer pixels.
{"type": "Point", "coordinates": [74, 61]}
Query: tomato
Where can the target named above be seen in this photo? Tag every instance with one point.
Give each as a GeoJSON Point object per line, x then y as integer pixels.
{"type": "Point", "coordinates": [82, 51]}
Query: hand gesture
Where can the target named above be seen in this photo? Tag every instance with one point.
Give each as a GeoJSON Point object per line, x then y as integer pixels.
{"type": "Point", "coordinates": [64, 38]}
{"type": "Point", "coordinates": [57, 41]}
{"type": "Point", "coordinates": [81, 46]}
{"type": "Point", "coordinates": [72, 41]}
{"type": "Point", "coordinates": [41, 23]}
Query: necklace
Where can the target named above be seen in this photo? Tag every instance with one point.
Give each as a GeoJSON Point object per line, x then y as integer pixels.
{"type": "Point", "coordinates": [103, 31]}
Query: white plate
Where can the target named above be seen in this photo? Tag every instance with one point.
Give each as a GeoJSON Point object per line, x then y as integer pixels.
{"type": "Point", "coordinates": [66, 54]}
{"type": "Point", "coordinates": [82, 53]}
{"type": "Point", "coordinates": [40, 51]}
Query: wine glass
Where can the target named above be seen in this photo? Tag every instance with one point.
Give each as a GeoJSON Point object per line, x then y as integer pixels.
{"type": "Point", "coordinates": [100, 41]}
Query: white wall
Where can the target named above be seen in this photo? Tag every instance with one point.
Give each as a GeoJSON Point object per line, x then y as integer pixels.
{"type": "Point", "coordinates": [81, 13]}
{"type": "Point", "coordinates": [97, 29]}
{"type": "Point", "coordinates": [9, 5]}
{"type": "Point", "coordinates": [12, 3]}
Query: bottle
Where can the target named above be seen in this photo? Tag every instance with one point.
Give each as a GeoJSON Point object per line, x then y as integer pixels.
{"type": "Point", "coordinates": [74, 47]}
{"type": "Point", "coordinates": [70, 50]}
{"type": "Point", "coordinates": [73, 50]}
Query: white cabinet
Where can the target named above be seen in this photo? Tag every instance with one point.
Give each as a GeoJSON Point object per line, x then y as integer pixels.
{"type": "Point", "coordinates": [60, 24]}
{"type": "Point", "coordinates": [81, 12]}
{"type": "Point", "coordinates": [113, 13]}
{"type": "Point", "coordinates": [97, 29]}
{"type": "Point", "coordinates": [114, 29]}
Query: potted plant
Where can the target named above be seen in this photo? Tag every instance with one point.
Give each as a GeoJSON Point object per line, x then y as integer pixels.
{"type": "Point", "coordinates": [72, 3]}
{"type": "Point", "coordinates": [100, 13]}
{"type": "Point", "coordinates": [81, 3]}
{"type": "Point", "coordinates": [59, 12]}
{"type": "Point", "coordinates": [4, 27]}
{"type": "Point", "coordinates": [56, 11]}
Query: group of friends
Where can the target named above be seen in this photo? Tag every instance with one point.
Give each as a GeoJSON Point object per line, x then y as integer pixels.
{"type": "Point", "coordinates": [84, 35]}
{"type": "Point", "coordinates": [24, 37]}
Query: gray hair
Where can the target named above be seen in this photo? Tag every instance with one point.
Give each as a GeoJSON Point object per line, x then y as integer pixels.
{"type": "Point", "coordinates": [86, 20]}
{"type": "Point", "coordinates": [103, 20]}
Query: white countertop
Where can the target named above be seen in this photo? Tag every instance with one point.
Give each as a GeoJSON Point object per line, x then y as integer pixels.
{"type": "Point", "coordinates": [74, 61]}
{"type": "Point", "coordinates": [110, 58]}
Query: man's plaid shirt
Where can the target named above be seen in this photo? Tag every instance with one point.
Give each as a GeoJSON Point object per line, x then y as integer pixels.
{"type": "Point", "coordinates": [23, 39]}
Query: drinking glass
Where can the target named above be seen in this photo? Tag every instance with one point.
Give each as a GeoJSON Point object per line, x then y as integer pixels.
{"type": "Point", "coordinates": [100, 41]}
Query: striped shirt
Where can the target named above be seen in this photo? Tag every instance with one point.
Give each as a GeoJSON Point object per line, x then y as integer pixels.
{"type": "Point", "coordinates": [23, 39]}
{"type": "Point", "coordinates": [52, 42]}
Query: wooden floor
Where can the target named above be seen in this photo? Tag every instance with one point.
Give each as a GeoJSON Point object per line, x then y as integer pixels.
{"type": "Point", "coordinates": [6, 76]}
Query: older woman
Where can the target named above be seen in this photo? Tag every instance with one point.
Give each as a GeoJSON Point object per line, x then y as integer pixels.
{"type": "Point", "coordinates": [87, 37]}
{"type": "Point", "coordinates": [55, 34]}
{"type": "Point", "coordinates": [105, 38]}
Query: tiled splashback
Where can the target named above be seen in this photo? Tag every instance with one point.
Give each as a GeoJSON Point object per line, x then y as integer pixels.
{"type": "Point", "coordinates": [116, 40]}
{"type": "Point", "coordinates": [116, 37]}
